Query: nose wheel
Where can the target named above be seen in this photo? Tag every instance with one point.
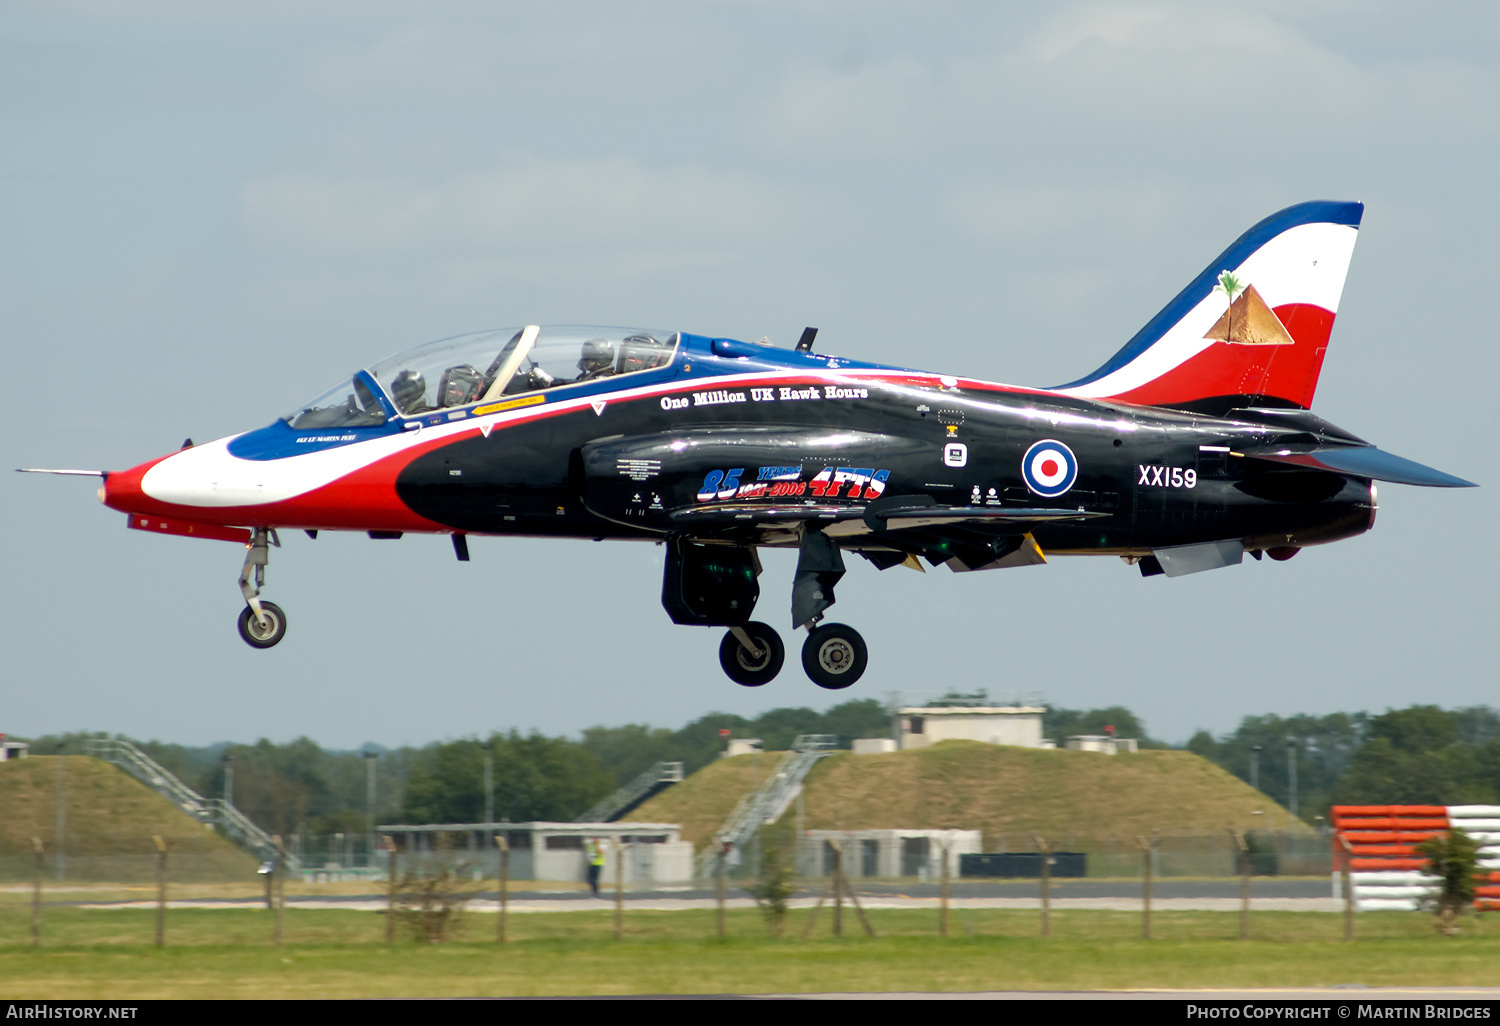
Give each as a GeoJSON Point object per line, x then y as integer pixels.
{"type": "Point", "coordinates": [834, 656]}
{"type": "Point", "coordinates": [264, 630]}
{"type": "Point", "coordinates": [262, 624]}
{"type": "Point", "coordinates": [752, 655]}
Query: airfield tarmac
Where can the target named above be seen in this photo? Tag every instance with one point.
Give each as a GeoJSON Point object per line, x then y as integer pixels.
{"type": "Point", "coordinates": [1304, 895]}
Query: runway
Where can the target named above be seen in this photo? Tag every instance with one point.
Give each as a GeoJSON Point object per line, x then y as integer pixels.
{"type": "Point", "coordinates": [1172, 895]}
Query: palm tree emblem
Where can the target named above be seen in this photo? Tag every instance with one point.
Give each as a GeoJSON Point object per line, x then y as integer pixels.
{"type": "Point", "coordinates": [1231, 287]}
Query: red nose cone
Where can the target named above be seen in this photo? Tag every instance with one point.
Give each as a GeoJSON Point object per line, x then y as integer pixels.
{"type": "Point", "coordinates": [122, 489]}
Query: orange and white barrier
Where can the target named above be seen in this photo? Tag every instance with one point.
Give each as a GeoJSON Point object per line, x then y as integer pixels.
{"type": "Point", "coordinates": [1384, 867]}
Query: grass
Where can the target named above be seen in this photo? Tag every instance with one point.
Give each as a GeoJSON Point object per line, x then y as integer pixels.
{"type": "Point", "coordinates": [1006, 791]}
{"type": "Point", "coordinates": [94, 953]}
{"type": "Point", "coordinates": [109, 819]}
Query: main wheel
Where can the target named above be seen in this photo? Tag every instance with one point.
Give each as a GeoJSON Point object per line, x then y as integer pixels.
{"type": "Point", "coordinates": [834, 656]}
{"type": "Point", "coordinates": [263, 633]}
{"type": "Point", "coordinates": [742, 665]}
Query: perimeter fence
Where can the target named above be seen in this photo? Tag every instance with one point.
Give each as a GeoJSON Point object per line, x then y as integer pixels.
{"type": "Point", "coordinates": [338, 857]}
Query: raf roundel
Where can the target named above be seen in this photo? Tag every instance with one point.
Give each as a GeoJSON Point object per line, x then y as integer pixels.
{"type": "Point", "coordinates": [1050, 468]}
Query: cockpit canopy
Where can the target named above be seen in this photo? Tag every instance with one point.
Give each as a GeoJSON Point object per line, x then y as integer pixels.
{"type": "Point", "coordinates": [485, 366]}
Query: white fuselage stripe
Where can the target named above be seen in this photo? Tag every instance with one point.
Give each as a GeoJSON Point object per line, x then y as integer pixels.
{"type": "Point", "coordinates": [210, 476]}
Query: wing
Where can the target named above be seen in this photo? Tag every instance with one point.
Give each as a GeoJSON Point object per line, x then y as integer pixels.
{"type": "Point", "coordinates": [890, 531]}
{"type": "Point", "coordinates": [663, 483]}
{"type": "Point", "coordinates": [906, 513]}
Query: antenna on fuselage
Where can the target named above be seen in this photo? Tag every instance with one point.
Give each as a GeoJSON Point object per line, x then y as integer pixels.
{"type": "Point", "coordinates": [804, 344]}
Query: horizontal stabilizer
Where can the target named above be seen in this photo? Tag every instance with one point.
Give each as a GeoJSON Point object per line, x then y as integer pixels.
{"type": "Point", "coordinates": [1366, 461]}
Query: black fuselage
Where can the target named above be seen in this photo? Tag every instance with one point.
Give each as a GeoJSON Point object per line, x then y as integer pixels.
{"type": "Point", "coordinates": [644, 465]}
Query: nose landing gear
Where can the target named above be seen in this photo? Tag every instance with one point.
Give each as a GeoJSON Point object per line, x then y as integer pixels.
{"type": "Point", "coordinates": [262, 624]}
{"type": "Point", "coordinates": [264, 630]}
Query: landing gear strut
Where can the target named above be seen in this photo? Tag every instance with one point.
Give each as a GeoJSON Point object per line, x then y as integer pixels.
{"type": "Point", "coordinates": [712, 584]}
{"type": "Point", "coordinates": [834, 655]}
{"type": "Point", "coordinates": [752, 654]}
{"type": "Point", "coordinates": [262, 624]}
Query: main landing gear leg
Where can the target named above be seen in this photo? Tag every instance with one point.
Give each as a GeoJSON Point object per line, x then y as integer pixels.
{"type": "Point", "coordinates": [751, 654]}
{"type": "Point", "coordinates": [710, 585]}
{"type": "Point", "coordinates": [834, 656]}
{"type": "Point", "coordinates": [262, 624]}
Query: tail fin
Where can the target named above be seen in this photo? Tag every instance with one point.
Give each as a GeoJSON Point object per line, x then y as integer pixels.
{"type": "Point", "coordinates": [1251, 330]}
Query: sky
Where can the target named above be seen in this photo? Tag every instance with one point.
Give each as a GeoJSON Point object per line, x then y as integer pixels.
{"type": "Point", "coordinates": [212, 213]}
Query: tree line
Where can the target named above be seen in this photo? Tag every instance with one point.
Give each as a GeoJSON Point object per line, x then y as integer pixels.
{"type": "Point", "coordinates": [1422, 755]}
{"type": "Point", "coordinates": [300, 787]}
{"type": "Point", "coordinates": [1419, 755]}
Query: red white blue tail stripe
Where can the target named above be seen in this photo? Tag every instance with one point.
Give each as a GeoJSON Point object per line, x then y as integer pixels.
{"type": "Point", "coordinates": [1295, 261]}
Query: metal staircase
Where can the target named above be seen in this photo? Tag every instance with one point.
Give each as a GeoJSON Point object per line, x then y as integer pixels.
{"type": "Point", "coordinates": [647, 785]}
{"type": "Point", "coordinates": [767, 804]}
{"type": "Point", "coordinates": [216, 812]}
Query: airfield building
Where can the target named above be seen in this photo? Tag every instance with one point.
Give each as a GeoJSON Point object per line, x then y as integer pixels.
{"type": "Point", "coordinates": [1019, 725]}
{"type": "Point", "coordinates": [1106, 743]}
{"type": "Point", "coordinates": [889, 853]}
{"type": "Point", "coordinates": [654, 853]}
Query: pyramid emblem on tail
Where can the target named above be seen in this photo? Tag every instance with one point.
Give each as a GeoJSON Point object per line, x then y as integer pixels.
{"type": "Point", "coordinates": [1248, 321]}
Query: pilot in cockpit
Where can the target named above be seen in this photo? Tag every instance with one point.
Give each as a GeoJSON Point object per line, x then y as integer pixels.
{"type": "Point", "coordinates": [642, 352]}
{"type": "Point", "coordinates": [409, 390]}
{"type": "Point", "coordinates": [597, 361]}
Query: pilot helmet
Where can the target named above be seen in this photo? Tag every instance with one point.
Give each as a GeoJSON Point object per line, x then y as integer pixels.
{"type": "Point", "coordinates": [597, 355]}
{"type": "Point", "coordinates": [408, 390]}
{"type": "Point", "coordinates": [642, 352]}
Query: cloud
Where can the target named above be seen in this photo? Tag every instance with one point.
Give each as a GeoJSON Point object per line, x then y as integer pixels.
{"type": "Point", "coordinates": [193, 12]}
{"type": "Point", "coordinates": [996, 212]}
{"type": "Point", "coordinates": [502, 56]}
{"type": "Point", "coordinates": [420, 60]}
{"type": "Point", "coordinates": [878, 108]}
{"type": "Point", "coordinates": [525, 205]}
{"type": "Point", "coordinates": [1162, 80]}
{"type": "Point", "coordinates": [1113, 26]}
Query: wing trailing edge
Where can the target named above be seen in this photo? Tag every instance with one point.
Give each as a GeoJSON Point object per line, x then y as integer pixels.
{"type": "Point", "coordinates": [881, 519]}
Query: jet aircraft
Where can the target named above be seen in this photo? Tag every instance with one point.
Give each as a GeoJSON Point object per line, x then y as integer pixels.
{"type": "Point", "coordinates": [1191, 446]}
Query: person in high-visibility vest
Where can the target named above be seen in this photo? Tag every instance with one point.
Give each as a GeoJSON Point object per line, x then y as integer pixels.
{"type": "Point", "coordinates": [594, 849]}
